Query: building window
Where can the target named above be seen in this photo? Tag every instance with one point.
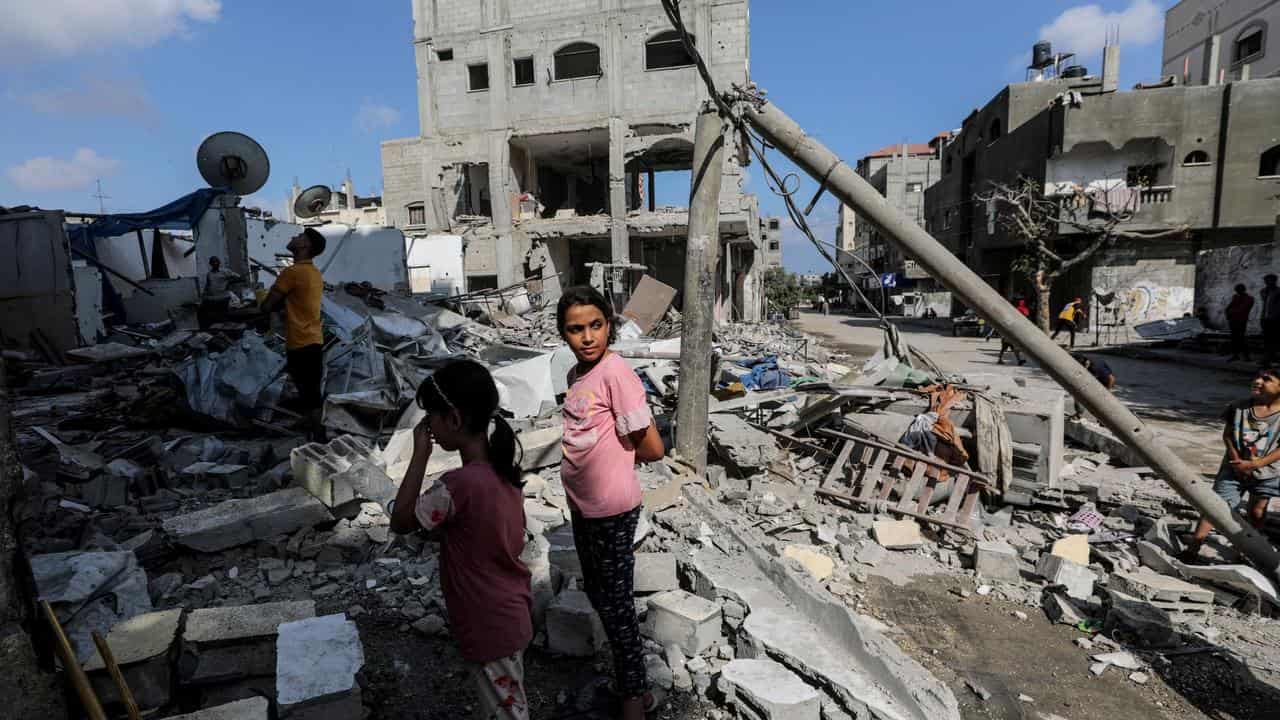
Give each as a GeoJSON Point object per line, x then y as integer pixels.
{"type": "Point", "coordinates": [1196, 157]}
{"type": "Point", "coordinates": [915, 187]}
{"type": "Point", "coordinates": [946, 219]}
{"type": "Point", "coordinates": [665, 50]}
{"type": "Point", "coordinates": [994, 132]}
{"type": "Point", "coordinates": [1270, 163]}
{"type": "Point", "coordinates": [1141, 175]}
{"type": "Point", "coordinates": [417, 214]}
{"type": "Point", "coordinates": [478, 77]}
{"type": "Point", "coordinates": [774, 245]}
{"type": "Point", "coordinates": [444, 55]}
{"type": "Point", "coordinates": [946, 165]}
{"type": "Point", "coordinates": [774, 223]}
{"type": "Point", "coordinates": [577, 60]}
{"type": "Point", "coordinates": [1249, 44]}
{"type": "Point", "coordinates": [523, 71]}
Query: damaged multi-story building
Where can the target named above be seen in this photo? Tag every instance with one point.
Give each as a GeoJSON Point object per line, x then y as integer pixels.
{"type": "Point", "coordinates": [1204, 158]}
{"type": "Point", "coordinates": [544, 128]}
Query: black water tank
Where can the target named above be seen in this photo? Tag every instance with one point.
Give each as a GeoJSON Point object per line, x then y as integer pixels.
{"type": "Point", "coordinates": [1041, 54]}
{"type": "Point", "coordinates": [1075, 71]}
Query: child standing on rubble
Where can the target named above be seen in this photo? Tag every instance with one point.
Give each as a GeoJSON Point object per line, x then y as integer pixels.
{"type": "Point", "coordinates": [478, 513]}
{"type": "Point", "coordinates": [607, 429]}
{"type": "Point", "coordinates": [1251, 433]}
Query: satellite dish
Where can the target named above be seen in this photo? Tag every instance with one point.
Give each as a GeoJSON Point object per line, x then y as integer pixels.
{"type": "Point", "coordinates": [234, 160]}
{"type": "Point", "coordinates": [312, 201]}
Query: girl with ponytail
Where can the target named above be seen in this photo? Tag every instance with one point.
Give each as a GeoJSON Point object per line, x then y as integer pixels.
{"type": "Point", "coordinates": [478, 513]}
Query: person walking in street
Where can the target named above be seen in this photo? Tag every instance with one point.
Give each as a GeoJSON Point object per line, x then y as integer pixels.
{"type": "Point", "coordinates": [1100, 370]}
{"type": "Point", "coordinates": [478, 513]}
{"type": "Point", "coordinates": [1238, 321]}
{"type": "Point", "coordinates": [215, 300]}
{"type": "Point", "coordinates": [1021, 306]}
{"type": "Point", "coordinates": [1070, 319]}
{"type": "Point", "coordinates": [1270, 297]}
{"type": "Point", "coordinates": [607, 430]}
{"type": "Point", "coordinates": [1251, 433]}
{"type": "Point", "coordinates": [299, 290]}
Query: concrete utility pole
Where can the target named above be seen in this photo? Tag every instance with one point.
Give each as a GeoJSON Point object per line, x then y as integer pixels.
{"type": "Point", "coordinates": [701, 255]}
{"type": "Point", "coordinates": [815, 159]}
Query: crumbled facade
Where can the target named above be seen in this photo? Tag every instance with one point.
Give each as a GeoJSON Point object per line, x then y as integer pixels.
{"type": "Point", "coordinates": [345, 207]}
{"type": "Point", "coordinates": [542, 128]}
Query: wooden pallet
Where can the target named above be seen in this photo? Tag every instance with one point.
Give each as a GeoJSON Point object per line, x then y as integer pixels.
{"type": "Point", "coordinates": [876, 471]}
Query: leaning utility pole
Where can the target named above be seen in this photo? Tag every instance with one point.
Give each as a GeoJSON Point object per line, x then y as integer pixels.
{"type": "Point", "coordinates": [824, 166]}
{"type": "Point", "coordinates": [701, 256]}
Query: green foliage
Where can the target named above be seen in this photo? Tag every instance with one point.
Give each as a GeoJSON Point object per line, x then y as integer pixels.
{"type": "Point", "coordinates": [783, 291]}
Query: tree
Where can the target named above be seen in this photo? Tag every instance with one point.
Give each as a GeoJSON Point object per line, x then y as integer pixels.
{"type": "Point", "coordinates": [783, 290]}
{"type": "Point", "coordinates": [1092, 219]}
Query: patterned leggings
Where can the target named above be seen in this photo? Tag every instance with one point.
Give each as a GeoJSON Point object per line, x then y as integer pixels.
{"type": "Point", "coordinates": [605, 548]}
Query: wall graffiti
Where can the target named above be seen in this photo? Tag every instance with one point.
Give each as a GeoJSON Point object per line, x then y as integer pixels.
{"type": "Point", "coordinates": [1148, 291]}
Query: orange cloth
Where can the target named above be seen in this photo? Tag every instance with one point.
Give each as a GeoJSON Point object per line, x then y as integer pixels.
{"type": "Point", "coordinates": [303, 289]}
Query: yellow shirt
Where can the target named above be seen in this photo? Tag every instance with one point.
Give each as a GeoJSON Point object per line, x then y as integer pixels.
{"type": "Point", "coordinates": [303, 290]}
{"type": "Point", "coordinates": [1068, 313]}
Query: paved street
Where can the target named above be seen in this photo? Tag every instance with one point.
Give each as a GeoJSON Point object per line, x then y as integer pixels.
{"type": "Point", "coordinates": [1182, 401]}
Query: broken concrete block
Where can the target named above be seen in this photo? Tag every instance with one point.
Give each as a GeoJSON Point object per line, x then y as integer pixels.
{"type": "Point", "coordinates": [1146, 624]}
{"type": "Point", "coordinates": [871, 554]}
{"type": "Point", "coordinates": [996, 561]}
{"type": "Point", "coordinates": [657, 672]}
{"type": "Point", "coordinates": [655, 572]}
{"type": "Point", "coordinates": [765, 690]}
{"type": "Point", "coordinates": [316, 664]}
{"type": "Point", "coordinates": [563, 554]}
{"type": "Point", "coordinates": [745, 448]}
{"type": "Point", "coordinates": [244, 622]}
{"type": "Point", "coordinates": [1077, 579]}
{"type": "Point", "coordinates": [141, 646]}
{"type": "Point", "coordinates": [97, 589]}
{"type": "Point", "coordinates": [1074, 548]}
{"type": "Point", "coordinates": [345, 470]}
{"type": "Point", "coordinates": [214, 475]}
{"type": "Point", "coordinates": [897, 534]}
{"type": "Point", "coordinates": [1181, 599]}
{"type": "Point", "coordinates": [254, 708]}
{"type": "Point", "coordinates": [236, 522]}
{"type": "Point", "coordinates": [222, 664]}
{"type": "Point", "coordinates": [678, 618]}
{"type": "Point", "coordinates": [680, 678]}
{"type": "Point", "coordinates": [1060, 609]}
{"type": "Point", "coordinates": [573, 628]}
{"type": "Point", "coordinates": [105, 490]}
{"type": "Point", "coordinates": [818, 565]}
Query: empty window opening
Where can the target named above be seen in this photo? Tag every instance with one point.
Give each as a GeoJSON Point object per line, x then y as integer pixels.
{"type": "Point", "coordinates": [1196, 157]}
{"type": "Point", "coordinates": [417, 214]}
{"type": "Point", "coordinates": [1141, 175]}
{"type": "Point", "coordinates": [1248, 45]}
{"type": "Point", "coordinates": [774, 223]}
{"type": "Point", "coordinates": [444, 55]}
{"type": "Point", "coordinates": [478, 77]}
{"type": "Point", "coordinates": [1270, 163]}
{"type": "Point", "coordinates": [775, 245]}
{"type": "Point", "coordinates": [665, 50]}
{"type": "Point", "coordinates": [577, 60]}
{"type": "Point", "coordinates": [994, 132]}
{"type": "Point", "coordinates": [914, 187]}
{"type": "Point", "coordinates": [523, 71]}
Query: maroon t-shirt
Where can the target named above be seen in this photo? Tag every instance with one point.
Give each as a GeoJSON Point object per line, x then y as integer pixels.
{"type": "Point", "coordinates": [486, 587]}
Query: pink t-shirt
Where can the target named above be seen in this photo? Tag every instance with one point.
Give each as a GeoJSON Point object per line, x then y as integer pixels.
{"type": "Point", "coordinates": [486, 587]}
{"type": "Point", "coordinates": [600, 409]}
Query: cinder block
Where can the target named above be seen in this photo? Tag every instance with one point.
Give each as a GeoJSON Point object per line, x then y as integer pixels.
{"type": "Point", "coordinates": [1076, 579]}
{"type": "Point", "coordinates": [678, 618]}
{"type": "Point", "coordinates": [655, 572]}
{"type": "Point", "coordinates": [573, 628]}
{"type": "Point", "coordinates": [345, 470]}
{"type": "Point", "coordinates": [996, 561]}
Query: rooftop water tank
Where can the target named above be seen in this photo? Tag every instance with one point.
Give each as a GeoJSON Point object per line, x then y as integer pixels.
{"type": "Point", "coordinates": [1041, 54]}
{"type": "Point", "coordinates": [1075, 71]}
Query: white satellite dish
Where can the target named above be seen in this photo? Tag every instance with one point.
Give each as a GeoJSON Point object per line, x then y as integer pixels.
{"type": "Point", "coordinates": [312, 201]}
{"type": "Point", "coordinates": [233, 160]}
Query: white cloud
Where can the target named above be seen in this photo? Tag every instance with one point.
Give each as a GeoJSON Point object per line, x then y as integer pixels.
{"type": "Point", "coordinates": [97, 96]}
{"type": "Point", "coordinates": [372, 117]}
{"type": "Point", "coordinates": [35, 29]}
{"type": "Point", "coordinates": [50, 173]}
{"type": "Point", "coordinates": [1083, 29]}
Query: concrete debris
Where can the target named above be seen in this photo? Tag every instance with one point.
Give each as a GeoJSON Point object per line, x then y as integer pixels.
{"type": "Point", "coordinates": [254, 708]}
{"type": "Point", "coordinates": [1143, 623]}
{"type": "Point", "coordinates": [744, 448]}
{"type": "Point", "coordinates": [236, 522]}
{"type": "Point", "coordinates": [573, 627]}
{"type": "Point", "coordinates": [1182, 600]}
{"type": "Point", "coordinates": [655, 572]}
{"type": "Point", "coordinates": [1076, 580]}
{"type": "Point", "coordinates": [996, 561]}
{"type": "Point", "coordinates": [814, 562]}
{"type": "Point", "coordinates": [141, 647]}
{"type": "Point", "coordinates": [897, 534]}
{"type": "Point", "coordinates": [346, 470]}
{"type": "Point", "coordinates": [244, 622]}
{"type": "Point", "coordinates": [765, 690]}
{"type": "Point", "coordinates": [316, 664]}
{"type": "Point", "coordinates": [679, 618]}
{"type": "Point", "coordinates": [1074, 548]}
{"type": "Point", "coordinates": [91, 591]}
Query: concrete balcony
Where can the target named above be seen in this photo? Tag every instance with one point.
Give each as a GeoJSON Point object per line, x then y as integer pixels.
{"type": "Point", "coordinates": [1155, 195]}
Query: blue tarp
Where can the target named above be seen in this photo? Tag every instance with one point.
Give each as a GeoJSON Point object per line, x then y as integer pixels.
{"type": "Point", "coordinates": [765, 374]}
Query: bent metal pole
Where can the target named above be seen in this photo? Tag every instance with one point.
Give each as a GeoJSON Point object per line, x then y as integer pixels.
{"type": "Point", "coordinates": [815, 159]}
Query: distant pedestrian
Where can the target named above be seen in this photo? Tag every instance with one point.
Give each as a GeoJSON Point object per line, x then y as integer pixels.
{"type": "Point", "coordinates": [1238, 321]}
{"type": "Point", "coordinates": [1270, 296]}
{"type": "Point", "coordinates": [1025, 311]}
{"type": "Point", "coordinates": [1070, 319]}
{"type": "Point", "coordinates": [1251, 465]}
{"type": "Point", "coordinates": [1098, 369]}
{"type": "Point", "coordinates": [215, 300]}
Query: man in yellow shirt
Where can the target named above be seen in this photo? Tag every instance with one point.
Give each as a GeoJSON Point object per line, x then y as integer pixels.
{"type": "Point", "coordinates": [299, 290]}
{"type": "Point", "coordinates": [1070, 319]}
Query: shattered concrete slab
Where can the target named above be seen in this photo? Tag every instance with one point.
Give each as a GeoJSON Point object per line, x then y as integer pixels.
{"type": "Point", "coordinates": [747, 449]}
{"type": "Point", "coordinates": [244, 622]}
{"type": "Point", "coordinates": [141, 646]}
{"type": "Point", "coordinates": [765, 690]}
{"type": "Point", "coordinates": [316, 664]}
{"type": "Point", "coordinates": [236, 522]}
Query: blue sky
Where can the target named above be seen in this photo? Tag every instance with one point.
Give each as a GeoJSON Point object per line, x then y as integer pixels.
{"type": "Point", "coordinates": [125, 90]}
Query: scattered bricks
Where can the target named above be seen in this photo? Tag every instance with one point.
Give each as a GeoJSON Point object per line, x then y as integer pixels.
{"type": "Point", "coordinates": [1181, 599]}
{"type": "Point", "coordinates": [244, 622]}
{"type": "Point", "coordinates": [346, 470]}
{"type": "Point", "coordinates": [1146, 624]}
{"type": "Point", "coordinates": [678, 618]}
{"type": "Point", "coordinates": [765, 690]}
{"type": "Point", "coordinates": [655, 572]}
{"type": "Point", "coordinates": [573, 628]}
{"type": "Point", "coordinates": [1074, 548]}
{"type": "Point", "coordinates": [141, 646]}
{"type": "Point", "coordinates": [818, 565]}
{"type": "Point", "coordinates": [897, 534]}
{"type": "Point", "coordinates": [996, 561]}
{"type": "Point", "coordinates": [212, 475]}
{"type": "Point", "coordinates": [871, 554]}
{"type": "Point", "coordinates": [316, 664]}
{"type": "Point", "coordinates": [254, 708]}
{"type": "Point", "coordinates": [236, 522]}
{"type": "Point", "coordinates": [1077, 579]}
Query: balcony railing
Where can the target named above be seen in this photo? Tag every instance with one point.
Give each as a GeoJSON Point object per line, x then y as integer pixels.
{"type": "Point", "coordinates": [1156, 195]}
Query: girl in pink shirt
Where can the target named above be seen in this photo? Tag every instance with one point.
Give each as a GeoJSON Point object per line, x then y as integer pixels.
{"type": "Point", "coordinates": [478, 512]}
{"type": "Point", "coordinates": [607, 429]}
